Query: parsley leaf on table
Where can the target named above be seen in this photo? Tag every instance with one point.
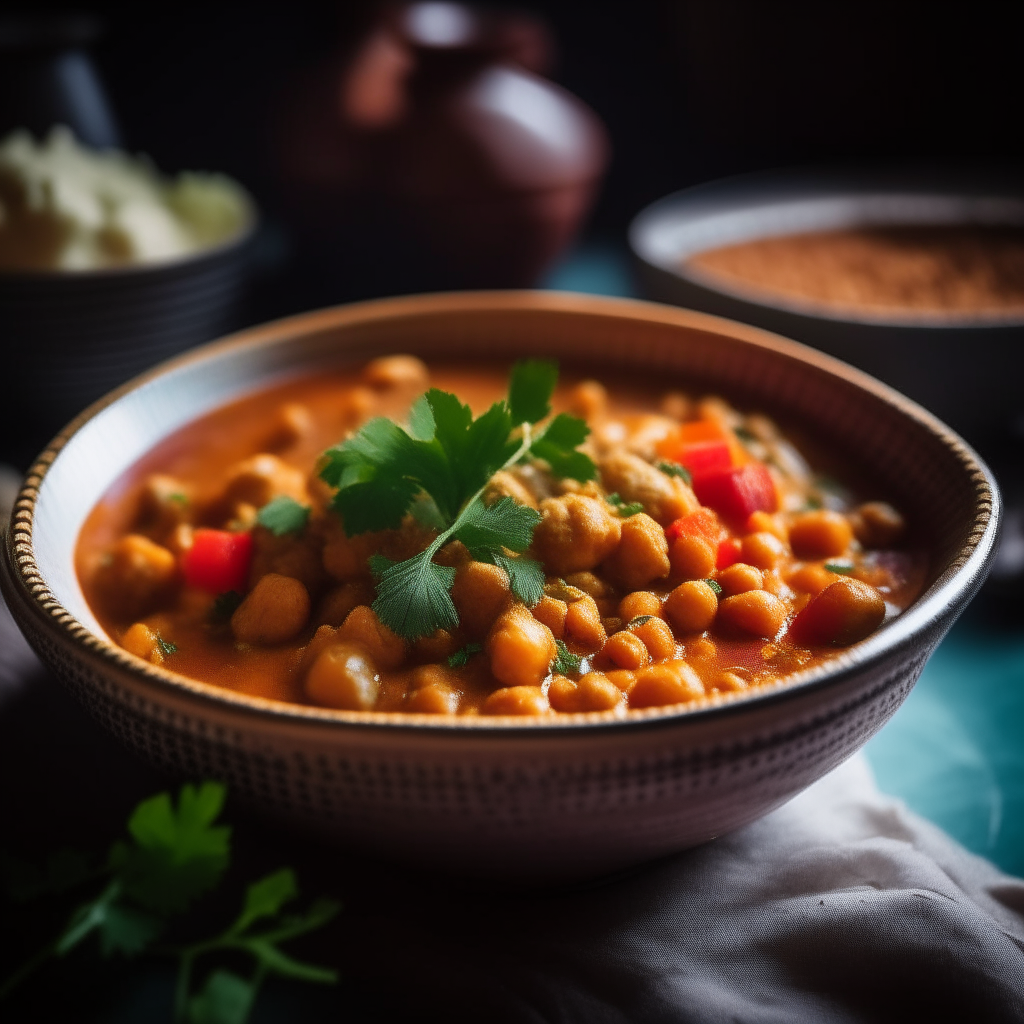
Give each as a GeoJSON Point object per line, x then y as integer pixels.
{"type": "Point", "coordinates": [283, 515]}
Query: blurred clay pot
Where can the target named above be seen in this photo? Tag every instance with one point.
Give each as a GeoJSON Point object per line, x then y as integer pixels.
{"type": "Point", "coordinates": [436, 156]}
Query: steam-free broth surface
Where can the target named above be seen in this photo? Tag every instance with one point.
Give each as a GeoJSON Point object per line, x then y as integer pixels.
{"type": "Point", "coordinates": [682, 548]}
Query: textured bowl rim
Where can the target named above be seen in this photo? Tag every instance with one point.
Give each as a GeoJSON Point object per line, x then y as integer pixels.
{"type": "Point", "coordinates": [958, 581]}
{"type": "Point", "coordinates": [836, 186]}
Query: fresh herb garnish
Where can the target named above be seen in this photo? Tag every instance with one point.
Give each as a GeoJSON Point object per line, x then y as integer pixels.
{"type": "Point", "coordinates": [283, 515]}
{"type": "Point", "coordinates": [746, 436]}
{"type": "Point", "coordinates": [674, 469]}
{"type": "Point", "coordinates": [463, 654]}
{"type": "Point", "coordinates": [167, 648]}
{"type": "Point", "coordinates": [565, 662]}
{"type": "Point", "coordinates": [715, 586]}
{"type": "Point", "coordinates": [178, 498]}
{"type": "Point", "coordinates": [622, 508]}
{"type": "Point", "coordinates": [811, 504]}
{"type": "Point", "coordinates": [842, 568]}
{"type": "Point", "coordinates": [225, 605]}
{"type": "Point", "coordinates": [174, 856]}
{"type": "Point", "coordinates": [449, 456]}
{"type": "Point", "coordinates": [638, 620]}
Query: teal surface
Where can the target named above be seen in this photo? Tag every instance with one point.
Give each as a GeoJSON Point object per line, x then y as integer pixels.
{"type": "Point", "coordinates": [954, 752]}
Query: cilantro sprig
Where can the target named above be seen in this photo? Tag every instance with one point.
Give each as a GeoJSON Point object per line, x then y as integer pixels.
{"type": "Point", "coordinates": [445, 458]}
{"type": "Point", "coordinates": [622, 508]}
{"type": "Point", "coordinates": [173, 856]}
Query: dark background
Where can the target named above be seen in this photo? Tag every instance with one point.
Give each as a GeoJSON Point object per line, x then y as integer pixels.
{"type": "Point", "coordinates": [689, 89]}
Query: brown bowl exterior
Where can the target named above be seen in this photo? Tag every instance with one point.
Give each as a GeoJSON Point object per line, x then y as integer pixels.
{"type": "Point", "coordinates": [545, 799]}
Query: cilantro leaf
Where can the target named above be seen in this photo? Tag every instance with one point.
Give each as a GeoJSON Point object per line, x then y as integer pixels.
{"type": "Point", "coordinates": [565, 662]}
{"type": "Point", "coordinates": [530, 388]}
{"type": "Point", "coordinates": [414, 596]}
{"type": "Point", "coordinates": [715, 586]}
{"type": "Point", "coordinates": [127, 931]}
{"type": "Point", "coordinates": [622, 508]}
{"type": "Point", "coordinates": [226, 998]}
{"type": "Point", "coordinates": [225, 605]}
{"type": "Point", "coordinates": [506, 523]}
{"type": "Point", "coordinates": [841, 568]}
{"type": "Point", "coordinates": [638, 620]}
{"type": "Point", "coordinates": [166, 646]}
{"type": "Point", "coordinates": [177, 854]}
{"type": "Point", "coordinates": [525, 577]}
{"type": "Point", "coordinates": [283, 515]}
{"type": "Point", "coordinates": [266, 897]}
{"type": "Point", "coordinates": [675, 469]}
{"type": "Point", "coordinates": [463, 654]}
{"type": "Point", "coordinates": [557, 447]}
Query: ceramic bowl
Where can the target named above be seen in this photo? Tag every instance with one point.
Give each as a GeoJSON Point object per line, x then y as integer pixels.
{"type": "Point", "coordinates": [529, 799]}
{"type": "Point", "coordinates": [964, 367]}
{"type": "Point", "coordinates": [69, 337]}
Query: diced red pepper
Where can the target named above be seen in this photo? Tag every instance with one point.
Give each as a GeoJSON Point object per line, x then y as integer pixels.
{"type": "Point", "coordinates": [702, 523]}
{"type": "Point", "coordinates": [736, 493]}
{"type": "Point", "coordinates": [218, 561]}
{"type": "Point", "coordinates": [704, 446]}
{"type": "Point", "coordinates": [729, 552]}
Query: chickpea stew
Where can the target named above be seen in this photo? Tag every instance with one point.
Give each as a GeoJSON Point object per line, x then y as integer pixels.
{"type": "Point", "coordinates": [629, 550]}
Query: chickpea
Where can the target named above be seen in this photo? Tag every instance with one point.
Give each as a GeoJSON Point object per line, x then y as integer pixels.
{"type": "Point", "coordinates": [480, 593]}
{"type": "Point", "coordinates": [520, 648]}
{"type": "Point", "coordinates": [344, 677]}
{"type": "Point", "coordinates": [289, 555]}
{"type": "Point", "coordinates": [730, 681]}
{"type": "Point", "coordinates": [322, 639]}
{"type": "Point", "coordinates": [506, 485]}
{"type": "Point", "coordinates": [691, 607]}
{"type": "Point", "coordinates": [612, 624]}
{"type": "Point", "coordinates": [843, 613]}
{"type": "Point", "coordinates": [141, 641]}
{"type": "Point", "coordinates": [362, 627]}
{"type": "Point", "coordinates": [820, 534]}
{"type": "Point", "coordinates": [674, 682]}
{"type": "Point", "coordinates": [439, 646]}
{"type": "Point", "coordinates": [756, 612]}
{"type": "Point", "coordinates": [583, 624]}
{"type": "Point", "coordinates": [595, 692]}
{"type": "Point", "coordinates": [701, 649]}
{"type": "Point", "coordinates": [767, 522]}
{"type": "Point", "coordinates": [624, 679]}
{"type": "Point", "coordinates": [640, 602]}
{"type": "Point", "coordinates": [589, 584]}
{"type": "Point", "coordinates": [810, 579]}
{"type": "Point", "coordinates": [396, 372]}
{"type": "Point", "coordinates": [516, 700]}
{"type": "Point", "coordinates": [552, 613]}
{"type": "Point", "coordinates": [562, 695]}
{"type": "Point", "coordinates": [588, 400]}
{"type": "Point", "coordinates": [625, 650]}
{"type": "Point", "coordinates": [763, 549]}
{"type": "Point", "coordinates": [356, 405]}
{"type": "Point", "coordinates": [642, 554]}
{"type": "Point", "coordinates": [134, 575]}
{"type": "Point", "coordinates": [433, 699]}
{"type": "Point", "coordinates": [262, 477]}
{"type": "Point", "coordinates": [691, 558]}
{"type": "Point", "coordinates": [877, 524]}
{"type": "Point", "coordinates": [345, 557]}
{"type": "Point", "coordinates": [274, 612]}
{"type": "Point", "coordinates": [575, 533]}
{"type": "Point", "coordinates": [657, 638]}
{"type": "Point", "coordinates": [676, 405]}
{"type": "Point", "coordinates": [738, 578]}
{"type": "Point", "coordinates": [665, 498]}
{"type": "Point", "coordinates": [334, 609]}
{"type": "Point", "coordinates": [292, 422]}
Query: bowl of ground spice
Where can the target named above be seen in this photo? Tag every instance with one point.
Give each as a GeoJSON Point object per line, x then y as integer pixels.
{"type": "Point", "coordinates": [917, 279]}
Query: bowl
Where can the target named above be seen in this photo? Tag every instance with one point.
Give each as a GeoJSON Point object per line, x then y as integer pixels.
{"type": "Point", "coordinates": [965, 367]}
{"type": "Point", "coordinates": [72, 336]}
{"type": "Point", "coordinates": [504, 797]}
